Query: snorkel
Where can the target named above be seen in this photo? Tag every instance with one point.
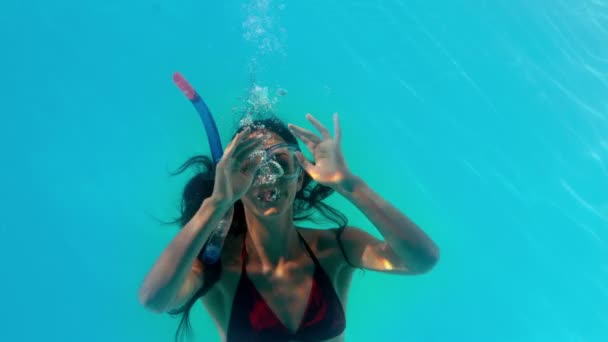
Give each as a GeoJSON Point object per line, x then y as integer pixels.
{"type": "Point", "coordinates": [213, 248]}
{"type": "Point", "coordinates": [215, 144]}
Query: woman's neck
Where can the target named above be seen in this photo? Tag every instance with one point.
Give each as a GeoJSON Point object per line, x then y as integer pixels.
{"type": "Point", "coordinates": [272, 240]}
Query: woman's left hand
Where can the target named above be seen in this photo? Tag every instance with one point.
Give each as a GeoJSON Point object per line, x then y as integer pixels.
{"type": "Point", "coordinates": [329, 166]}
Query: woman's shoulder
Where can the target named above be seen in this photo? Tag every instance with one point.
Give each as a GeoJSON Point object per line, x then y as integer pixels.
{"type": "Point", "coordinates": [321, 238]}
{"type": "Point", "coordinates": [318, 233]}
{"type": "Point", "coordinates": [325, 245]}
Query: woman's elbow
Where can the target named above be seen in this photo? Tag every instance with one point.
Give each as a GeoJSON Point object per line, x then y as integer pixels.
{"type": "Point", "coordinates": [150, 302]}
{"type": "Point", "coordinates": [427, 260]}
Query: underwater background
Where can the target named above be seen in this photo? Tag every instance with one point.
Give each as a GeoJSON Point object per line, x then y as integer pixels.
{"type": "Point", "coordinates": [484, 121]}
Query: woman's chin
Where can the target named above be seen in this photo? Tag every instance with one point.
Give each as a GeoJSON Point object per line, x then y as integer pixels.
{"type": "Point", "coordinates": [269, 208]}
{"type": "Point", "coordinates": [272, 211]}
{"type": "Point", "coordinates": [270, 202]}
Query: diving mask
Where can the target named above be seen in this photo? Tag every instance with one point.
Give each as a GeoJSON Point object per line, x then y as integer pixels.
{"type": "Point", "coordinates": [278, 162]}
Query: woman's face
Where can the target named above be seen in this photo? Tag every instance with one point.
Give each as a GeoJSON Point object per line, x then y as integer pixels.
{"type": "Point", "coordinates": [269, 198]}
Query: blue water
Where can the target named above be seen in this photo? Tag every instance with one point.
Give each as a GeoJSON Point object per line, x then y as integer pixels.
{"type": "Point", "coordinates": [486, 122]}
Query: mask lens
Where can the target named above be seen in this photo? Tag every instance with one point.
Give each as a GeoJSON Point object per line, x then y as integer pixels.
{"type": "Point", "coordinates": [286, 158]}
{"type": "Point", "coordinates": [278, 162]}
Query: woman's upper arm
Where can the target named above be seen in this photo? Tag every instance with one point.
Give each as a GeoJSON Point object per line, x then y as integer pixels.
{"type": "Point", "coordinates": [362, 250]}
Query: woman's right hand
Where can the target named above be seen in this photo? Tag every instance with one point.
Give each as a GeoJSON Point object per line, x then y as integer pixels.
{"type": "Point", "coordinates": [235, 171]}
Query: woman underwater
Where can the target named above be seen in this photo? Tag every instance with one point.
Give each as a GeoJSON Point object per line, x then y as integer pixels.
{"type": "Point", "coordinates": [277, 281]}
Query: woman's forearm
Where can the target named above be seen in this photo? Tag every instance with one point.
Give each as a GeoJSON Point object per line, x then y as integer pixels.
{"type": "Point", "coordinates": [404, 237]}
{"type": "Point", "coordinates": [164, 281]}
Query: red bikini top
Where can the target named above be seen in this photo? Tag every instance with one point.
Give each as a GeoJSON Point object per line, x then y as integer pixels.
{"type": "Point", "coordinates": [253, 320]}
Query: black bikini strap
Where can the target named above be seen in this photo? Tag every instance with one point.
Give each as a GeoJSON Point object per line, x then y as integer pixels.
{"type": "Point", "coordinates": [312, 255]}
{"type": "Point", "coordinates": [339, 232]}
{"type": "Point", "coordinates": [244, 255]}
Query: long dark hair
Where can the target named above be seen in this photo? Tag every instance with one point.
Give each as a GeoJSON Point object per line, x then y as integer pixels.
{"type": "Point", "coordinates": [308, 205]}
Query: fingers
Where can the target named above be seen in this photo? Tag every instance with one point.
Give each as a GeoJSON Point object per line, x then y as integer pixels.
{"type": "Point", "coordinates": [243, 141]}
{"type": "Point", "coordinates": [246, 144]}
{"type": "Point", "coordinates": [319, 126]}
{"type": "Point", "coordinates": [247, 149]}
{"type": "Point", "coordinates": [235, 142]}
{"type": "Point", "coordinates": [304, 133]}
{"type": "Point", "coordinates": [308, 137]}
{"type": "Point", "coordinates": [241, 147]}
